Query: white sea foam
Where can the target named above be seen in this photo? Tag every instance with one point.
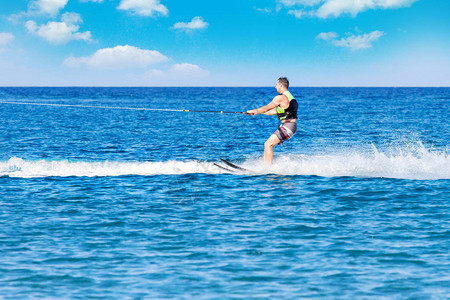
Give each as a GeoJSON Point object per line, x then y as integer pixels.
{"type": "Point", "coordinates": [406, 163]}
{"type": "Point", "coordinates": [402, 164]}
{"type": "Point", "coordinates": [17, 167]}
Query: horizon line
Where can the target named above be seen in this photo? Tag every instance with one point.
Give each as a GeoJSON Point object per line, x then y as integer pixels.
{"type": "Point", "coordinates": [218, 86]}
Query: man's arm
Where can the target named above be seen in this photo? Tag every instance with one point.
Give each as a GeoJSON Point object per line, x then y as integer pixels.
{"type": "Point", "coordinates": [266, 109]}
{"type": "Point", "coordinates": [271, 112]}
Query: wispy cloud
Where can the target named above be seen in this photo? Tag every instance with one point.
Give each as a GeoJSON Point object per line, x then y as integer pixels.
{"type": "Point", "coordinates": [59, 33]}
{"type": "Point", "coordinates": [354, 42]}
{"type": "Point", "coordinates": [296, 13]}
{"type": "Point", "coordinates": [188, 69]}
{"type": "Point", "coordinates": [335, 8]}
{"type": "Point", "coordinates": [177, 75]}
{"type": "Point", "coordinates": [50, 7]}
{"type": "Point", "coordinates": [195, 24]}
{"type": "Point", "coordinates": [39, 7]}
{"type": "Point", "coordinates": [300, 2]}
{"type": "Point", "coordinates": [327, 36]}
{"type": "Point", "coordinates": [264, 10]}
{"type": "Point", "coordinates": [145, 8]}
{"type": "Point", "coordinates": [6, 38]}
{"type": "Point", "coordinates": [119, 57]}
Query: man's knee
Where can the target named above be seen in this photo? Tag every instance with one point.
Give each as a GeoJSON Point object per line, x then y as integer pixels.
{"type": "Point", "coordinates": [271, 142]}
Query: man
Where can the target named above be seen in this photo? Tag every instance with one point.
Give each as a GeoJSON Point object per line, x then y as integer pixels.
{"type": "Point", "coordinates": [285, 107]}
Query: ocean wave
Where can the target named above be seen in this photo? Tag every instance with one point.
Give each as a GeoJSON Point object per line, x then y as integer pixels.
{"type": "Point", "coordinates": [403, 163]}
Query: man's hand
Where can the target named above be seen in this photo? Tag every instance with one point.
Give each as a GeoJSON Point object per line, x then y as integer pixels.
{"type": "Point", "coordinates": [251, 112]}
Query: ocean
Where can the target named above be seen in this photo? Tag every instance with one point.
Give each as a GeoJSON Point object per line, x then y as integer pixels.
{"type": "Point", "coordinates": [102, 199]}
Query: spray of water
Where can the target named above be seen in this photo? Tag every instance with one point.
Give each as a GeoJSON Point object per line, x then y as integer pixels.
{"type": "Point", "coordinates": [407, 162]}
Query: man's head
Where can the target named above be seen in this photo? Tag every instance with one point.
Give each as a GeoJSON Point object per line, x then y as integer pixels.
{"type": "Point", "coordinates": [282, 84]}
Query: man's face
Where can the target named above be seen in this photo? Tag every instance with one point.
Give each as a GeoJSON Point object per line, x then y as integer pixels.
{"type": "Point", "coordinates": [278, 86]}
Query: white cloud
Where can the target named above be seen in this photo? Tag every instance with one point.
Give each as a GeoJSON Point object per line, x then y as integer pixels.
{"type": "Point", "coordinates": [289, 3]}
{"type": "Point", "coordinates": [196, 23]}
{"type": "Point", "coordinates": [6, 38]}
{"type": "Point", "coordinates": [264, 10]}
{"type": "Point", "coordinates": [183, 74]}
{"type": "Point", "coordinates": [327, 8]}
{"type": "Point", "coordinates": [177, 71]}
{"type": "Point", "coordinates": [327, 36]}
{"type": "Point", "coordinates": [188, 69]}
{"type": "Point", "coordinates": [60, 32]}
{"type": "Point", "coordinates": [354, 42]}
{"type": "Point", "coordinates": [51, 7]}
{"type": "Point", "coordinates": [71, 18]}
{"type": "Point", "coordinates": [155, 73]}
{"type": "Point", "coordinates": [357, 42]}
{"type": "Point", "coordinates": [296, 13]}
{"type": "Point", "coordinates": [144, 7]}
{"type": "Point", "coordinates": [119, 57]}
{"type": "Point", "coordinates": [39, 7]}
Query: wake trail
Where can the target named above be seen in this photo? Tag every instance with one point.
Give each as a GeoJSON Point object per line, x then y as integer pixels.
{"type": "Point", "coordinates": [403, 163]}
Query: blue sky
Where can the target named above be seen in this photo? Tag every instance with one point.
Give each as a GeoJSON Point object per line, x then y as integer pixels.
{"type": "Point", "coordinates": [224, 43]}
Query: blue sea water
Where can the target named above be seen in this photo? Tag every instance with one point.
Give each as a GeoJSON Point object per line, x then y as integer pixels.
{"type": "Point", "coordinates": [127, 204]}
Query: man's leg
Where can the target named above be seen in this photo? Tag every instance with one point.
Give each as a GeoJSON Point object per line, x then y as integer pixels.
{"type": "Point", "coordinates": [271, 142]}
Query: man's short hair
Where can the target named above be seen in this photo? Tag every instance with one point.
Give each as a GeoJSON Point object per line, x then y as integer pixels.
{"type": "Point", "coordinates": [284, 81]}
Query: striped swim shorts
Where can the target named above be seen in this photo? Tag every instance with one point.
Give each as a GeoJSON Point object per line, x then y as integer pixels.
{"type": "Point", "coordinates": [286, 131]}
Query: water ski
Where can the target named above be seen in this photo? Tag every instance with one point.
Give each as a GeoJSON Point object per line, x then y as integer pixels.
{"type": "Point", "coordinates": [224, 168]}
{"type": "Point", "coordinates": [231, 167]}
{"type": "Point", "coordinates": [235, 167]}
